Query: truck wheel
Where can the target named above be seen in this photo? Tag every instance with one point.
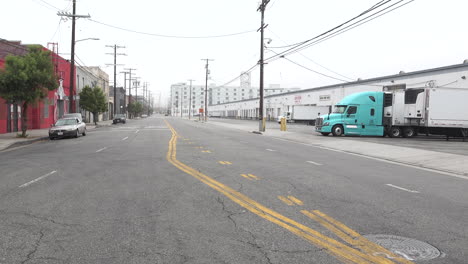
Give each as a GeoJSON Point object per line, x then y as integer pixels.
{"type": "Point", "coordinates": [337, 130]}
{"type": "Point", "coordinates": [325, 133]}
{"type": "Point", "coordinates": [409, 132]}
{"type": "Point", "coordinates": [394, 132]}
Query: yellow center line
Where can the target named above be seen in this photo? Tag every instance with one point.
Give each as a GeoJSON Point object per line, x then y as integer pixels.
{"type": "Point", "coordinates": [285, 200]}
{"type": "Point", "coordinates": [342, 252]}
{"type": "Point", "coordinates": [352, 237]}
{"type": "Point", "coordinates": [253, 176]}
{"type": "Point", "coordinates": [245, 176]}
{"type": "Point", "coordinates": [295, 200]}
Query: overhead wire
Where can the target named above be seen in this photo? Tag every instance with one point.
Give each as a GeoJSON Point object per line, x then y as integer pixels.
{"type": "Point", "coordinates": [347, 28]}
{"type": "Point", "coordinates": [328, 69]}
{"type": "Point", "coordinates": [323, 74]}
{"type": "Point", "coordinates": [172, 36]}
{"type": "Point", "coordinates": [292, 49]}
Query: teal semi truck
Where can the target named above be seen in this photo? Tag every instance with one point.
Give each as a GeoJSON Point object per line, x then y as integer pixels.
{"type": "Point", "coordinates": [399, 113]}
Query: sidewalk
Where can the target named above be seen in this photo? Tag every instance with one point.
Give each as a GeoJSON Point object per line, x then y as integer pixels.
{"type": "Point", "coordinates": [428, 159]}
{"type": "Point", "coordinates": [9, 140]}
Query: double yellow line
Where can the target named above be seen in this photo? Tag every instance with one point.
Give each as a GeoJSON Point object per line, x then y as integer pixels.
{"type": "Point", "coordinates": [361, 250]}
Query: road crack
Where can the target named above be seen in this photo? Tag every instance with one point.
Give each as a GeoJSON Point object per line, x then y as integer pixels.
{"type": "Point", "coordinates": [31, 253]}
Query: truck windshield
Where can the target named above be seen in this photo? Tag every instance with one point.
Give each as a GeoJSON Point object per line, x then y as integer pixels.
{"type": "Point", "coordinates": [339, 109]}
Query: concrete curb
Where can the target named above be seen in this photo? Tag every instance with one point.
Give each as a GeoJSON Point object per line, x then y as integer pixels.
{"type": "Point", "coordinates": [26, 142]}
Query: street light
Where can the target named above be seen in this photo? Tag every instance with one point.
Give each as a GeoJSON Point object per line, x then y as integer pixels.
{"type": "Point", "coordinates": [87, 39]}
{"type": "Point", "coordinates": [72, 70]}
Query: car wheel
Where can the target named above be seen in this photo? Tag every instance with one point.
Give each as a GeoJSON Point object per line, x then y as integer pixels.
{"type": "Point", "coordinates": [76, 133]}
{"type": "Point", "coordinates": [51, 138]}
{"type": "Point", "coordinates": [394, 132]}
{"type": "Point", "coordinates": [84, 132]}
{"type": "Point", "coordinates": [337, 130]}
{"type": "Point", "coordinates": [325, 133]}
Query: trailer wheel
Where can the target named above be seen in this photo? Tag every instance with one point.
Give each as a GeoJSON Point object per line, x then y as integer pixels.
{"type": "Point", "coordinates": [409, 132]}
{"type": "Point", "coordinates": [337, 130]}
{"type": "Point", "coordinates": [394, 132]}
{"type": "Point", "coordinates": [325, 133]}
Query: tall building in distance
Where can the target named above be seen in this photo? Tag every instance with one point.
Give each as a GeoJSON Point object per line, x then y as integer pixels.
{"type": "Point", "coordinates": [181, 102]}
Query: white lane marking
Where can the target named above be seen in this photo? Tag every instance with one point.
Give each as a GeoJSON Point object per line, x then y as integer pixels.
{"type": "Point", "coordinates": [99, 150]}
{"type": "Point", "coordinates": [379, 159]}
{"type": "Point", "coordinates": [315, 163]}
{"type": "Point", "coordinates": [137, 131]}
{"type": "Point", "coordinates": [125, 138]}
{"type": "Point", "coordinates": [38, 179]}
{"type": "Point", "coordinates": [401, 188]}
{"type": "Point", "coordinates": [270, 149]}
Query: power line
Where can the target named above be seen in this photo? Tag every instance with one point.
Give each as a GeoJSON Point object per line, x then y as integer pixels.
{"type": "Point", "coordinates": [347, 28]}
{"type": "Point", "coordinates": [352, 26]}
{"type": "Point", "coordinates": [291, 50]}
{"type": "Point", "coordinates": [309, 58]}
{"type": "Point", "coordinates": [173, 36]}
{"type": "Point", "coordinates": [323, 74]}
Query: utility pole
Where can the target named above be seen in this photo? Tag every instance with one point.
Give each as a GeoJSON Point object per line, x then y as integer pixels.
{"type": "Point", "coordinates": [129, 84]}
{"type": "Point", "coordinates": [115, 71]}
{"type": "Point", "coordinates": [190, 98]}
{"type": "Point", "coordinates": [72, 59]}
{"type": "Point", "coordinates": [136, 83]}
{"type": "Point", "coordinates": [205, 111]}
{"type": "Point", "coordinates": [261, 8]}
{"type": "Point", "coordinates": [125, 89]}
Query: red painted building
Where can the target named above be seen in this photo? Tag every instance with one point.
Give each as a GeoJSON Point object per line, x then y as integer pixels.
{"type": "Point", "coordinates": [45, 111]}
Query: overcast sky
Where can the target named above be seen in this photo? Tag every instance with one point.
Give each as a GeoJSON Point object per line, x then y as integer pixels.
{"type": "Point", "coordinates": [423, 34]}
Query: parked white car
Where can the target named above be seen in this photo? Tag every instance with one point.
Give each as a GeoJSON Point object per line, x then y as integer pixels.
{"type": "Point", "coordinates": [67, 127]}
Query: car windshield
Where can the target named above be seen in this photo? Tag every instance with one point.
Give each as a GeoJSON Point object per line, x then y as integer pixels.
{"type": "Point", "coordinates": [119, 115]}
{"type": "Point", "coordinates": [65, 122]}
{"type": "Point", "coordinates": [339, 109]}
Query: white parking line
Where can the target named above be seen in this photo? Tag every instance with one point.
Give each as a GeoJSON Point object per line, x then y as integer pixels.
{"type": "Point", "coordinates": [99, 150]}
{"type": "Point", "coordinates": [125, 138]}
{"type": "Point", "coordinates": [401, 188]}
{"type": "Point", "coordinates": [270, 149]}
{"type": "Point", "coordinates": [38, 179]}
{"type": "Point", "coordinates": [315, 163]}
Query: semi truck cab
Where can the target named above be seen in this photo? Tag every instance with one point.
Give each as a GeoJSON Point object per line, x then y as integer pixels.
{"type": "Point", "coordinates": [356, 114]}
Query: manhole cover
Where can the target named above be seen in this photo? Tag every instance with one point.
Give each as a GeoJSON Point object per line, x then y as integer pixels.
{"type": "Point", "coordinates": [408, 248]}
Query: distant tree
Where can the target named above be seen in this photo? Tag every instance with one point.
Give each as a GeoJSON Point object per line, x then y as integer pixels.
{"type": "Point", "coordinates": [26, 79]}
{"type": "Point", "coordinates": [135, 109]}
{"type": "Point", "coordinates": [93, 100]}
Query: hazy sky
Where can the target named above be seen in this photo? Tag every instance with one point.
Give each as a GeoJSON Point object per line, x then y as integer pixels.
{"type": "Point", "coordinates": [423, 34]}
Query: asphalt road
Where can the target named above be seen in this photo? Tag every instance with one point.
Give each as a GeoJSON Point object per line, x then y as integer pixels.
{"type": "Point", "coordinates": [163, 190]}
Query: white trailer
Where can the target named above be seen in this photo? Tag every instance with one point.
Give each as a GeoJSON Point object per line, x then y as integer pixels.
{"type": "Point", "coordinates": [304, 113]}
{"type": "Point", "coordinates": [437, 110]}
